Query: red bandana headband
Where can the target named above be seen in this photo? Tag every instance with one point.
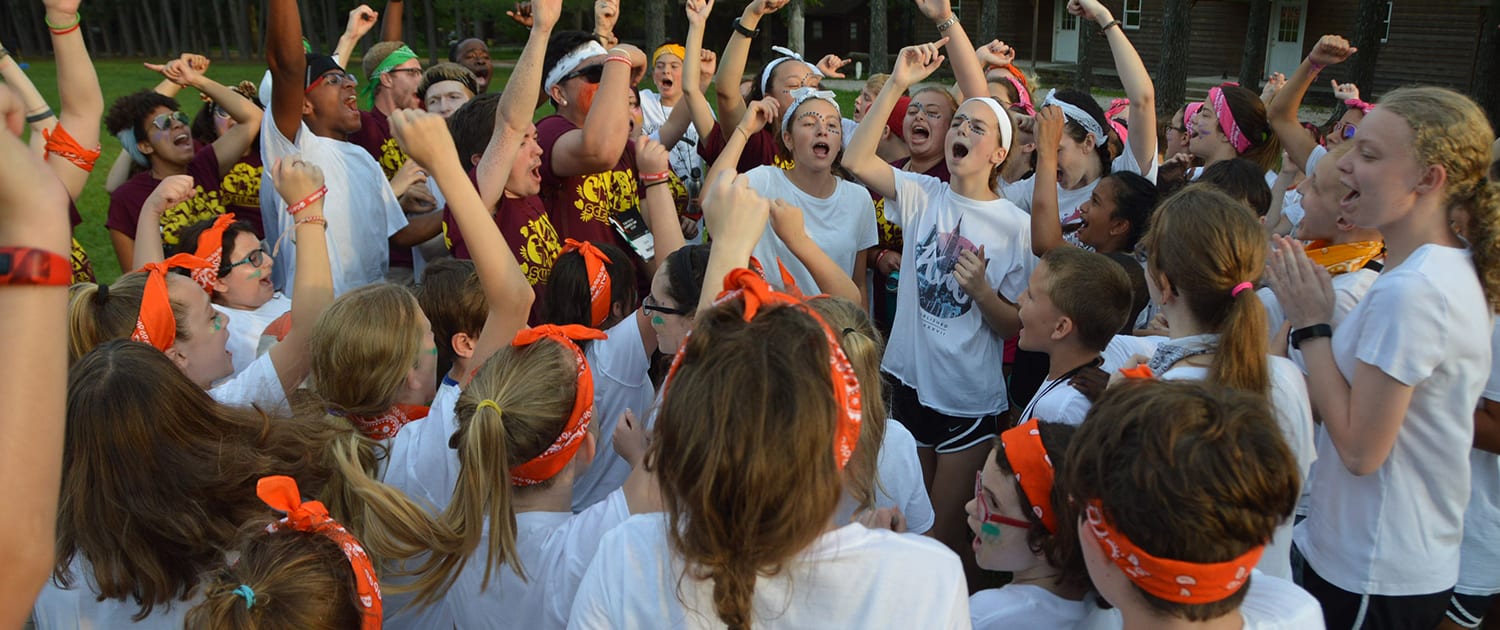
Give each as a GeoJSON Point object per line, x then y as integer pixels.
{"type": "Point", "coordinates": [1237, 138]}
{"type": "Point", "coordinates": [281, 493]}
{"type": "Point", "coordinates": [211, 250]}
{"type": "Point", "coordinates": [1028, 458]}
{"type": "Point", "coordinates": [156, 324]}
{"type": "Point", "coordinates": [749, 286]}
{"type": "Point", "coordinates": [386, 425]}
{"type": "Point", "coordinates": [1173, 580]}
{"type": "Point", "coordinates": [551, 461]}
{"type": "Point", "coordinates": [594, 262]}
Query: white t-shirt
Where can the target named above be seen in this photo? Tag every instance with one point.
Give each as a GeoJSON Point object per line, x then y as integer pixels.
{"type": "Point", "coordinates": [1057, 401]}
{"type": "Point", "coordinates": [1025, 605]}
{"type": "Point", "coordinates": [420, 462]}
{"type": "Point", "coordinates": [1022, 191]}
{"type": "Point", "coordinates": [940, 344]}
{"type": "Point", "coordinates": [1272, 604]}
{"type": "Point", "coordinates": [247, 328]}
{"type": "Point", "coordinates": [842, 224]}
{"type": "Point", "coordinates": [622, 380]}
{"type": "Point", "coordinates": [1294, 417]}
{"type": "Point", "coordinates": [1479, 554]}
{"type": "Point", "coordinates": [1348, 288]}
{"type": "Point", "coordinates": [683, 157]}
{"type": "Point", "coordinates": [78, 608]}
{"type": "Point", "coordinates": [1396, 531]}
{"type": "Point", "coordinates": [257, 385]}
{"type": "Point", "coordinates": [361, 210]}
{"type": "Point", "coordinates": [901, 485]}
{"type": "Point", "coordinates": [1123, 347]}
{"type": "Point", "coordinates": [851, 577]}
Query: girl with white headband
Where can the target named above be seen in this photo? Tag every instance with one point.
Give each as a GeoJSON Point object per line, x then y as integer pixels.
{"type": "Point", "coordinates": [967, 248]}
{"type": "Point", "coordinates": [1083, 157]}
{"type": "Point", "coordinates": [838, 213]}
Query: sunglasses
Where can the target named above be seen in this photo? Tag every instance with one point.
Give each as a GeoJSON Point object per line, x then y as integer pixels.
{"type": "Point", "coordinates": [1344, 129]}
{"type": "Point", "coordinates": [986, 517]}
{"type": "Point", "coordinates": [164, 121]}
{"type": "Point", "coordinates": [256, 258]}
{"type": "Point", "coordinates": [335, 79]}
{"type": "Point", "coordinates": [592, 74]}
{"type": "Point", "coordinates": [650, 305]}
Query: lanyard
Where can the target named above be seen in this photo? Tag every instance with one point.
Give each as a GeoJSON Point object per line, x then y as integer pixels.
{"type": "Point", "coordinates": [1026, 415]}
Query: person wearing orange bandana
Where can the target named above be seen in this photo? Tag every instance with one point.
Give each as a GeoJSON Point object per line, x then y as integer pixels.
{"type": "Point", "coordinates": [1174, 490]}
{"type": "Point", "coordinates": [1015, 517]}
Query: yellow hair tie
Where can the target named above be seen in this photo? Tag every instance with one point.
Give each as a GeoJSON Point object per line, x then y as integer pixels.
{"type": "Point", "coordinates": [490, 403]}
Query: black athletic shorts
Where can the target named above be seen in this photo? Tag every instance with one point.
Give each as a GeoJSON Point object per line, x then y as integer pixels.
{"type": "Point", "coordinates": [936, 430]}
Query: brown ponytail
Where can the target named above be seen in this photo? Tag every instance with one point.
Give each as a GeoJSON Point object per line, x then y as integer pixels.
{"type": "Point", "coordinates": [296, 580]}
{"type": "Point", "coordinates": [1207, 244]}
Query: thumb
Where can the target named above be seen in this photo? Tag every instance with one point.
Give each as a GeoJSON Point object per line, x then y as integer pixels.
{"type": "Point", "coordinates": [154, 67]}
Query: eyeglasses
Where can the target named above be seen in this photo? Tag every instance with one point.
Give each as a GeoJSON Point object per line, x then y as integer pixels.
{"type": "Point", "coordinates": [256, 258]}
{"type": "Point", "coordinates": [412, 70]}
{"type": "Point", "coordinates": [985, 515]}
{"type": "Point", "coordinates": [164, 121]}
{"type": "Point", "coordinates": [1344, 129]}
{"type": "Point", "coordinates": [649, 304]}
{"type": "Point", "coordinates": [592, 74]}
{"type": "Point", "coordinates": [335, 79]}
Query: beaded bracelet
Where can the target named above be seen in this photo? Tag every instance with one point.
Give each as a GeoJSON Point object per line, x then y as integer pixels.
{"type": "Point", "coordinates": [310, 200]}
{"type": "Point", "coordinates": [315, 220]}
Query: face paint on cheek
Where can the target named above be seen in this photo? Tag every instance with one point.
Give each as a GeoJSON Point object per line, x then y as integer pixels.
{"type": "Point", "coordinates": [586, 96]}
{"type": "Point", "coordinates": [432, 351]}
{"type": "Point", "coordinates": [218, 324]}
{"type": "Point", "coordinates": [255, 275]}
{"type": "Point", "coordinates": [990, 532]}
{"type": "Point", "coordinates": [656, 320]}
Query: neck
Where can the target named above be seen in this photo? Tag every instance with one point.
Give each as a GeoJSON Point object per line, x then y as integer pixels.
{"type": "Point", "coordinates": [1142, 618]}
{"type": "Point", "coordinates": [1426, 223]}
{"type": "Point", "coordinates": [574, 115]}
{"type": "Point", "coordinates": [324, 132]}
{"type": "Point", "coordinates": [923, 163]}
{"type": "Point", "coordinates": [818, 183]}
{"type": "Point", "coordinates": [1066, 357]}
{"type": "Point", "coordinates": [891, 151]}
{"type": "Point", "coordinates": [1046, 577]}
{"type": "Point", "coordinates": [670, 101]}
{"type": "Point", "coordinates": [1183, 324]}
{"type": "Point", "coordinates": [1015, 170]}
{"type": "Point", "coordinates": [162, 169]}
{"type": "Point", "coordinates": [1358, 235]}
{"type": "Point", "coordinates": [1090, 174]}
{"type": "Point", "coordinates": [384, 102]}
{"type": "Point", "coordinates": [555, 497]}
{"type": "Point", "coordinates": [973, 187]}
{"type": "Point", "coordinates": [1221, 154]}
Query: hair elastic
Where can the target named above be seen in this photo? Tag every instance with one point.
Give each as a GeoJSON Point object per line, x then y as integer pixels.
{"type": "Point", "coordinates": [101, 294]}
{"type": "Point", "coordinates": [1240, 288]}
{"type": "Point", "coordinates": [492, 405]}
{"type": "Point", "coordinates": [247, 593]}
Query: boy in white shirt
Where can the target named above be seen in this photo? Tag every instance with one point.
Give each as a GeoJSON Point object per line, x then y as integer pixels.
{"type": "Point", "coordinates": [1072, 307]}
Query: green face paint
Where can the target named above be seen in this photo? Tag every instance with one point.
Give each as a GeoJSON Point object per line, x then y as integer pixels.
{"type": "Point", "coordinates": [218, 323]}
{"type": "Point", "coordinates": [656, 320]}
{"type": "Point", "coordinates": [989, 530]}
{"type": "Point", "coordinates": [255, 275]}
{"type": "Point", "coordinates": [433, 351]}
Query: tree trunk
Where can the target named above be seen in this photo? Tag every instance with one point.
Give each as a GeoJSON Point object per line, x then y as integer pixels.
{"type": "Point", "coordinates": [989, 21]}
{"type": "Point", "coordinates": [1253, 64]}
{"type": "Point", "coordinates": [1485, 87]}
{"type": "Point", "coordinates": [879, 37]}
{"type": "Point", "coordinates": [173, 40]}
{"type": "Point", "coordinates": [431, 24]}
{"type": "Point", "coordinates": [1083, 78]}
{"type": "Point", "coordinates": [656, 23]}
{"type": "Point", "coordinates": [795, 20]}
{"type": "Point", "coordinates": [1367, 34]}
{"type": "Point", "coordinates": [1171, 72]}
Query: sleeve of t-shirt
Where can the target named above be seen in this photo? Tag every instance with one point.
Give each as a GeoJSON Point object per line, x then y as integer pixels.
{"type": "Point", "coordinates": [1312, 158]}
{"type": "Point", "coordinates": [257, 385]}
{"type": "Point", "coordinates": [914, 193]}
{"type": "Point", "coordinates": [205, 169]}
{"type": "Point", "coordinates": [395, 219]}
{"type": "Point", "coordinates": [273, 145]}
{"type": "Point", "coordinates": [548, 130]}
{"type": "Point", "coordinates": [586, 531]}
{"type": "Point", "coordinates": [1492, 386]}
{"type": "Point", "coordinates": [124, 209]}
{"type": "Point", "coordinates": [711, 145]}
{"type": "Point", "coordinates": [1020, 192]}
{"type": "Point", "coordinates": [1015, 273]}
{"type": "Point", "coordinates": [869, 230]}
{"type": "Point", "coordinates": [1404, 332]}
{"type": "Point", "coordinates": [1127, 162]}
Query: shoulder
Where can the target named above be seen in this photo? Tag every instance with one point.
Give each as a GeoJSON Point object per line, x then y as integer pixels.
{"type": "Point", "coordinates": [1277, 603]}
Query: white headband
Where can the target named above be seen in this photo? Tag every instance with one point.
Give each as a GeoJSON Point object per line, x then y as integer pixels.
{"type": "Point", "coordinates": [1002, 119]}
{"type": "Point", "coordinates": [1077, 115]}
{"type": "Point", "coordinates": [570, 62]}
{"type": "Point", "coordinates": [802, 95]}
{"type": "Point", "coordinates": [787, 54]}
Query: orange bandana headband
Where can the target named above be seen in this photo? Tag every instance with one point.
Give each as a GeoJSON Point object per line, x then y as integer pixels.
{"type": "Point", "coordinates": [594, 262]}
{"type": "Point", "coordinates": [1028, 457]}
{"type": "Point", "coordinates": [281, 493]}
{"type": "Point", "coordinates": [211, 250]}
{"type": "Point", "coordinates": [551, 461]}
{"type": "Point", "coordinates": [1173, 580]}
{"type": "Point", "coordinates": [156, 324]}
{"type": "Point", "coordinates": [749, 286]}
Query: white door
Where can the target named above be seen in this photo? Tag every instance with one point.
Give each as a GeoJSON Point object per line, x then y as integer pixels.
{"type": "Point", "coordinates": [1284, 48]}
{"type": "Point", "coordinates": [1064, 34]}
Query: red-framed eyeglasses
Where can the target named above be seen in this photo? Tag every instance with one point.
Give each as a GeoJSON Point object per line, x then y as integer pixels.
{"type": "Point", "coordinates": [988, 518]}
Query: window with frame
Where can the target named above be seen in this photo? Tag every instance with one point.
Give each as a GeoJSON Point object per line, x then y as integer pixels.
{"type": "Point", "coordinates": [1130, 18]}
{"type": "Point", "coordinates": [1385, 27]}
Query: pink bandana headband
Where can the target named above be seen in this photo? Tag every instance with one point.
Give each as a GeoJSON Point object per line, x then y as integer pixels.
{"type": "Point", "coordinates": [1359, 105]}
{"type": "Point", "coordinates": [1237, 138]}
{"type": "Point", "coordinates": [1024, 99]}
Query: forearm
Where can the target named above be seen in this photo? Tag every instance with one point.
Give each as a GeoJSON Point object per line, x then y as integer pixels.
{"type": "Point", "coordinates": [724, 257]}
{"type": "Point", "coordinates": [506, 290]}
{"type": "Point", "coordinates": [1282, 114]}
{"type": "Point", "coordinates": [729, 158]}
{"type": "Point", "coordinates": [1001, 316]}
{"type": "Point", "coordinates": [512, 116]}
{"type": "Point", "coordinates": [661, 218]}
{"type": "Point", "coordinates": [419, 228]}
{"type": "Point", "coordinates": [1274, 216]}
{"type": "Point", "coordinates": [860, 157]}
{"type": "Point", "coordinates": [81, 98]}
{"type": "Point", "coordinates": [967, 71]}
{"type": "Point", "coordinates": [1046, 225]}
{"type": "Point", "coordinates": [16, 78]}
{"type": "Point", "coordinates": [119, 172]}
{"type": "Point", "coordinates": [672, 130]}
{"type": "Point", "coordinates": [602, 142]}
{"type": "Point", "coordinates": [1487, 426]}
{"type": "Point", "coordinates": [1141, 92]}
{"type": "Point", "coordinates": [828, 275]}
{"type": "Point", "coordinates": [700, 114]}
{"type": "Point", "coordinates": [390, 28]}
{"type": "Point", "coordinates": [731, 69]}
{"type": "Point", "coordinates": [148, 246]}
{"type": "Point", "coordinates": [237, 106]}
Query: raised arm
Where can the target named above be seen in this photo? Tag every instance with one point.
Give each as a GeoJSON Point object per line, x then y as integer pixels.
{"type": "Point", "coordinates": [656, 198]}
{"type": "Point", "coordinates": [757, 117]}
{"type": "Point", "coordinates": [966, 67]}
{"type": "Point", "coordinates": [1133, 76]}
{"type": "Point", "coordinates": [171, 191]}
{"type": "Point", "coordinates": [390, 30]}
{"type": "Point", "coordinates": [233, 145]}
{"type": "Point", "coordinates": [39, 115]}
{"type": "Point", "coordinates": [425, 138]}
{"type": "Point", "coordinates": [912, 65]}
{"type": "Point", "coordinates": [33, 214]}
{"type": "Point", "coordinates": [598, 145]}
{"type": "Point", "coordinates": [78, 91]}
{"type": "Point", "coordinates": [732, 64]}
{"type": "Point", "coordinates": [786, 220]}
{"type": "Point", "coordinates": [361, 20]}
{"type": "Point", "coordinates": [736, 216]}
{"type": "Point", "coordinates": [1046, 227]}
{"type": "Point", "coordinates": [288, 64]}
{"type": "Point", "coordinates": [512, 114]}
{"type": "Point", "coordinates": [1282, 112]}
{"type": "Point", "coordinates": [693, 66]}
{"type": "Point", "coordinates": [295, 181]}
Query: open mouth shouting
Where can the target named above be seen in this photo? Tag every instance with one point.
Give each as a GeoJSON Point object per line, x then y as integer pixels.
{"type": "Point", "coordinates": [822, 150]}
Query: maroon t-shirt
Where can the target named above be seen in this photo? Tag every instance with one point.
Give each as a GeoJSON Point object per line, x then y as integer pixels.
{"type": "Point", "coordinates": [374, 136]}
{"type": "Point", "coordinates": [239, 190]}
{"type": "Point", "coordinates": [528, 233]}
{"type": "Point", "coordinates": [83, 271]}
{"type": "Point", "coordinates": [126, 202]}
{"type": "Point", "coordinates": [760, 150]}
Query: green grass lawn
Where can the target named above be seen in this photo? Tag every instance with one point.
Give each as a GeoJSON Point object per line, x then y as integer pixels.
{"type": "Point", "coordinates": [119, 77]}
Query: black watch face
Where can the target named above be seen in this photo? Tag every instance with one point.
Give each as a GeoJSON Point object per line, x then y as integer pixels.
{"type": "Point", "coordinates": [6, 260]}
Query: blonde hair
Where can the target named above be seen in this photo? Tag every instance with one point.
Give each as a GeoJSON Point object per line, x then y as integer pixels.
{"type": "Point", "coordinates": [1449, 130]}
{"type": "Point", "coordinates": [876, 82]}
{"type": "Point", "coordinates": [865, 347]}
{"type": "Point", "coordinates": [363, 346]}
{"type": "Point", "coordinates": [93, 321]}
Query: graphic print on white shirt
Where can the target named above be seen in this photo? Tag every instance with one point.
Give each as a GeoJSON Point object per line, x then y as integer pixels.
{"type": "Point", "coordinates": [938, 292]}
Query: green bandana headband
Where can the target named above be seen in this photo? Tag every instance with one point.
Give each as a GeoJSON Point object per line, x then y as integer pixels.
{"type": "Point", "coordinates": [367, 91]}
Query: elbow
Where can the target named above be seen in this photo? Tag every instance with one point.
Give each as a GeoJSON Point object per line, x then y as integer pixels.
{"type": "Point", "coordinates": [1146, 99]}
{"type": "Point", "coordinates": [1361, 465]}
{"type": "Point", "coordinates": [253, 118]}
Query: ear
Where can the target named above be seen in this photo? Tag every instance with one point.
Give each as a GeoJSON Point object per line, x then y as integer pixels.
{"type": "Point", "coordinates": [1434, 177]}
{"type": "Point", "coordinates": [885, 133]}
{"type": "Point", "coordinates": [1062, 328]}
{"type": "Point", "coordinates": [1029, 147]}
{"type": "Point", "coordinates": [474, 159]}
{"type": "Point", "coordinates": [219, 285]}
{"type": "Point", "coordinates": [463, 345]}
{"type": "Point", "coordinates": [586, 451]}
{"type": "Point", "coordinates": [1118, 226]}
{"type": "Point", "coordinates": [618, 311]}
{"type": "Point", "coordinates": [998, 157]}
{"type": "Point", "coordinates": [1168, 292]}
{"type": "Point", "coordinates": [307, 107]}
{"type": "Point", "coordinates": [177, 357]}
{"type": "Point", "coordinates": [386, 80]}
{"type": "Point", "coordinates": [557, 95]}
{"type": "Point", "coordinates": [145, 147]}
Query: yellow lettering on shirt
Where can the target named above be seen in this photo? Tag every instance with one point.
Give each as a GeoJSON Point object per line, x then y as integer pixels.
{"type": "Point", "coordinates": [540, 250]}
{"type": "Point", "coordinates": [889, 233]}
{"type": "Point", "coordinates": [83, 271]}
{"type": "Point", "coordinates": [603, 194]}
{"type": "Point", "coordinates": [201, 207]}
{"type": "Point", "coordinates": [241, 186]}
{"type": "Point", "coordinates": [391, 157]}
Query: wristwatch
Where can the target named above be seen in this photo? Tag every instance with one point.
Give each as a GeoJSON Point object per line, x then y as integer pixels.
{"type": "Point", "coordinates": [1310, 332]}
{"type": "Point", "coordinates": [740, 28]}
{"type": "Point", "coordinates": [37, 267]}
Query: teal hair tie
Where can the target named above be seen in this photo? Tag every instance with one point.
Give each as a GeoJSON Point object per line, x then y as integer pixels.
{"type": "Point", "coordinates": [246, 592]}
